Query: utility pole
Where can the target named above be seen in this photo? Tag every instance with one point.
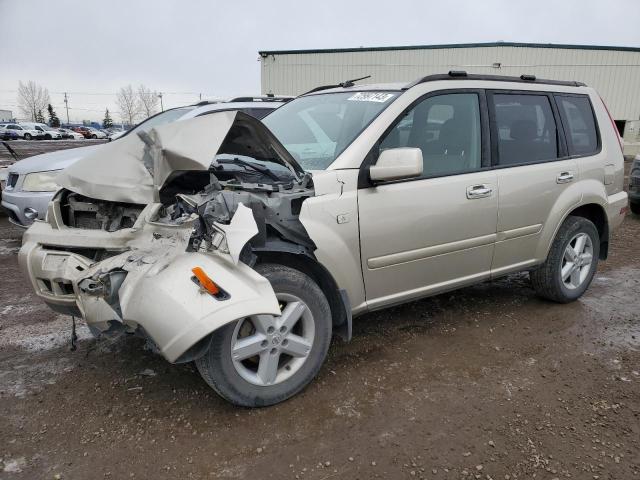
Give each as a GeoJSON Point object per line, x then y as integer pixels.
{"type": "Point", "coordinates": [200, 95]}
{"type": "Point", "coordinates": [160, 97]}
{"type": "Point", "coordinates": [66, 104]}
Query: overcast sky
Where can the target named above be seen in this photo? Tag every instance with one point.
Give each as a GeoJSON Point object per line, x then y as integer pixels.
{"type": "Point", "coordinates": [196, 46]}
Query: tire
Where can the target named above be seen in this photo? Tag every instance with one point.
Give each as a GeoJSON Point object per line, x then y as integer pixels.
{"type": "Point", "coordinates": [47, 137]}
{"type": "Point", "coordinates": [240, 381]}
{"type": "Point", "coordinates": [27, 136]}
{"type": "Point", "coordinates": [635, 208]}
{"type": "Point", "coordinates": [547, 280]}
{"type": "Point", "coordinates": [94, 136]}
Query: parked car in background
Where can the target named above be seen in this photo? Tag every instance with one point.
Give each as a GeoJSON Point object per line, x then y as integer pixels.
{"type": "Point", "coordinates": [90, 132]}
{"type": "Point", "coordinates": [70, 134]}
{"type": "Point", "coordinates": [265, 238]}
{"type": "Point", "coordinates": [33, 179]}
{"type": "Point", "coordinates": [634, 186]}
{"type": "Point", "coordinates": [25, 132]}
{"type": "Point", "coordinates": [8, 134]}
{"type": "Point", "coordinates": [48, 133]}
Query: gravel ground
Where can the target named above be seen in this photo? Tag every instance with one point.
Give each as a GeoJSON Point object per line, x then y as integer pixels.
{"type": "Point", "coordinates": [488, 382]}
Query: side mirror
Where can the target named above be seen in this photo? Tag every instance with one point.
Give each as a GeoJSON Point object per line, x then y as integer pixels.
{"type": "Point", "coordinates": [397, 164]}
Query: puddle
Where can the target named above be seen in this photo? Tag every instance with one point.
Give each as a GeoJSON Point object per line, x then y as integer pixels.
{"type": "Point", "coordinates": [613, 301]}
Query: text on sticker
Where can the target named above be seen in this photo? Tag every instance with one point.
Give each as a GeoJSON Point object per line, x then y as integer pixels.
{"type": "Point", "coordinates": [379, 97]}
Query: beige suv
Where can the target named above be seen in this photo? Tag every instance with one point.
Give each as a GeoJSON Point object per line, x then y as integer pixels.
{"type": "Point", "coordinates": [244, 245]}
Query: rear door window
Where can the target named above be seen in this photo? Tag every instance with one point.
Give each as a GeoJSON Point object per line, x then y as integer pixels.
{"type": "Point", "coordinates": [579, 124]}
{"type": "Point", "coordinates": [526, 129]}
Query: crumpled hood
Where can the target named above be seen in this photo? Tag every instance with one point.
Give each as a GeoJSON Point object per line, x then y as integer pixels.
{"type": "Point", "coordinates": [53, 160]}
{"type": "Point", "coordinates": [135, 168]}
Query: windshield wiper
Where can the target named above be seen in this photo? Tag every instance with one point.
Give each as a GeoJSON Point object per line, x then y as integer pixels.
{"type": "Point", "coordinates": [258, 168]}
{"type": "Point", "coordinates": [345, 84]}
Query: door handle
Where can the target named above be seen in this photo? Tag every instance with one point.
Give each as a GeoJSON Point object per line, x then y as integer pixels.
{"type": "Point", "coordinates": [564, 177]}
{"type": "Point", "coordinates": [479, 191]}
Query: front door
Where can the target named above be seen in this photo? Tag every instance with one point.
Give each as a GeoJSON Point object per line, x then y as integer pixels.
{"type": "Point", "coordinates": [437, 232]}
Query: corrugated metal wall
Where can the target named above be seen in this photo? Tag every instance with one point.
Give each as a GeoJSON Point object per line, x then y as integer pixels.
{"type": "Point", "coordinates": [615, 74]}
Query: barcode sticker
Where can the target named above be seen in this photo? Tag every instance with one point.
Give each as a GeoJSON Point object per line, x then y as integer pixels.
{"type": "Point", "coordinates": [379, 97]}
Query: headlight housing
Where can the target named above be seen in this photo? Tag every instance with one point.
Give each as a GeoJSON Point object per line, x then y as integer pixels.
{"type": "Point", "coordinates": [41, 181]}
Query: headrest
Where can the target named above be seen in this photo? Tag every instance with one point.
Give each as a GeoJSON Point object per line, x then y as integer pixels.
{"type": "Point", "coordinates": [524, 130]}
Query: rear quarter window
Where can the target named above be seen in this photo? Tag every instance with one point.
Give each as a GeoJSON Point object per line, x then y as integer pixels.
{"type": "Point", "coordinates": [579, 124]}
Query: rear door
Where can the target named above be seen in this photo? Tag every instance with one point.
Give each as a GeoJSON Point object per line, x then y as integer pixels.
{"type": "Point", "coordinates": [533, 170]}
{"type": "Point", "coordinates": [437, 232]}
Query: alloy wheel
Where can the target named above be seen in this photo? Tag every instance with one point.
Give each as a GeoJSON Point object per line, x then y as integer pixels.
{"type": "Point", "coordinates": [576, 261]}
{"type": "Point", "coordinates": [269, 349]}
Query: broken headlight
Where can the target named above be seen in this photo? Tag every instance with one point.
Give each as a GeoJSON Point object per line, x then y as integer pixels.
{"type": "Point", "coordinates": [41, 181]}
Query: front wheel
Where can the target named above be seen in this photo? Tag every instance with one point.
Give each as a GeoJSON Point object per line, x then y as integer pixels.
{"type": "Point", "coordinates": [265, 359]}
{"type": "Point", "coordinates": [635, 207]}
{"type": "Point", "coordinates": [94, 136]}
{"type": "Point", "coordinates": [27, 136]}
{"type": "Point", "coordinates": [571, 264]}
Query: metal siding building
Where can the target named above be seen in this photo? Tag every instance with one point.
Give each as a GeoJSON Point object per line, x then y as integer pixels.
{"type": "Point", "coordinates": [613, 71]}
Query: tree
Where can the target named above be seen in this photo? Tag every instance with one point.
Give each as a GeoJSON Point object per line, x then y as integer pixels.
{"type": "Point", "coordinates": [39, 117]}
{"type": "Point", "coordinates": [31, 98]}
{"type": "Point", "coordinates": [54, 121]}
{"type": "Point", "coordinates": [107, 122]}
{"type": "Point", "coordinates": [148, 100]}
{"type": "Point", "coordinates": [128, 103]}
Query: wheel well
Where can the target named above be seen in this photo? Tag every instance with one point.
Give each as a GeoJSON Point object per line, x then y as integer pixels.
{"type": "Point", "coordinates": [596, 214]}
{"type": "Point", "coordinates": [340, 310]}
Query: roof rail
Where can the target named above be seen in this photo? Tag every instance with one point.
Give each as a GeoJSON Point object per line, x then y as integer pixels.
{"type": "Point", "coordinates": [462, 75]}
{"type": "Point", "coordinates": [265, 98]}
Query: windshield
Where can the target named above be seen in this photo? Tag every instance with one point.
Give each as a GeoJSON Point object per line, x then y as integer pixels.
{"type": "Point", "coordinates": [317, 128]}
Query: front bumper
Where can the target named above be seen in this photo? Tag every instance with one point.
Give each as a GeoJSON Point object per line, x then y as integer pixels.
{"type": "Point", "coordinates": [18, 204]}
{"type": "Point", "coordinates": [157, 296]}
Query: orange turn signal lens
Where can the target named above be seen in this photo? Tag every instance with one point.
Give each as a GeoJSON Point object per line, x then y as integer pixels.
{"type": "Point", "coordinates": [205, 282]}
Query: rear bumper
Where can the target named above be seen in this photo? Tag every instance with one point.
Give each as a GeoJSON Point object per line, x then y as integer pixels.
{"type": "Point", "coordinates": [616, 208]}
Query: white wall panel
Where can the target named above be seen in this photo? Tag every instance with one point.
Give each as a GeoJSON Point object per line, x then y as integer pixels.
{"type": "Point", "coordinates": [615, 74]}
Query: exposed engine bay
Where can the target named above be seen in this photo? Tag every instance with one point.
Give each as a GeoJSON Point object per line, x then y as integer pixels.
{"type": "Point", "coordinates": [179, 209]}
{"type": "Point", "coordinates": [274, 197]}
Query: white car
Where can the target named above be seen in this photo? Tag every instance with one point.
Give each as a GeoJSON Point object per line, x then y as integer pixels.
{"type": "Point", "coordinates": [95, 133]}
{"type": "Point", "coordinates": [70, 134]}
{"type": "Point", "coordinates": [25, 132]}
{"type": "Point", "coordinates": [48, 133]}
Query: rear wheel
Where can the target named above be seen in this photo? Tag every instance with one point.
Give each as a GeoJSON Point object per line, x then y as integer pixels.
{"type": "Point", "coordinates": [571, 264]}
{"type": "Point", "coordinates": [635, 207]}
{"type": "Point", "coordinates": [264, 359]}
{"type": "Point", "coordinates": [94, 136]}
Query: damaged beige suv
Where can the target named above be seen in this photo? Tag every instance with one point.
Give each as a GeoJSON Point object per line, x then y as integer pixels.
{"type": "Point", "coordinates": [245, 245]}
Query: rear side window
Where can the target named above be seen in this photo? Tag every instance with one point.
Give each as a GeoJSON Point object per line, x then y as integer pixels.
{"type": "Point", "coordinates": [580, 126]}
{"type": "Point", "coordinates": [526, 129]}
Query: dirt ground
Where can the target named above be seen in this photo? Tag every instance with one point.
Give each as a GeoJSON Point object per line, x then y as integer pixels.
{"type": "Point", "coordinates": [488, 382]}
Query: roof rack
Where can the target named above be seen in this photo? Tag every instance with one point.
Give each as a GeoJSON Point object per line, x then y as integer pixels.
{"type": "Point", "coordinates": [266, 98]}
{"type": "Point", "coordinates": [462, 75]}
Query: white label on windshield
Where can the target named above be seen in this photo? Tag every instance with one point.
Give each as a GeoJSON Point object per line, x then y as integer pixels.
{"type": "Point", "coordinates": [379, 97]}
